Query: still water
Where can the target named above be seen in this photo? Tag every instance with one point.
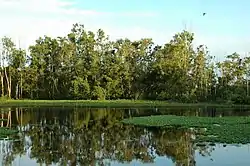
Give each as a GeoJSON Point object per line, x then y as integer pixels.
{"type": "Point", "coordinates": [94, 136]}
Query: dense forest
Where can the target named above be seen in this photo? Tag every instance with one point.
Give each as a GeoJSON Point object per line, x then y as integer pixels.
{"type": "Point", "coordinates": [88, 65]}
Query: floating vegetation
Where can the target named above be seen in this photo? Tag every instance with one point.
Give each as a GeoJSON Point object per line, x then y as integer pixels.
{"type": "Point", "coordinates": [7, 132]}
{"type": "Point", "coordinates": [207, 129]}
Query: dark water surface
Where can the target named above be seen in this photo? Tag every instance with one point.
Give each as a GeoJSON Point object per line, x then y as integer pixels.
{"type": "Point", "coordinates": [94, 136]}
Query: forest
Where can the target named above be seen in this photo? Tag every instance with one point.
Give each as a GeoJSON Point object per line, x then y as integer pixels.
{"type": "Point", "coordinates": [86, 65]}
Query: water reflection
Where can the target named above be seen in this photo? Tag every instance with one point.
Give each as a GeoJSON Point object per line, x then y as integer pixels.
{"type": "Point", "coordinates": [83, 136]}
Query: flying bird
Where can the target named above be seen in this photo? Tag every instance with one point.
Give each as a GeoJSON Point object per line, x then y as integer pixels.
{"type": "Point", "coordinates": [204, 14]}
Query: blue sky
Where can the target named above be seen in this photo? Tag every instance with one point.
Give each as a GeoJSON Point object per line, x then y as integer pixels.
{"type": "Point", "coordinates": [222, 16]}
{"type": "Point", "coordinates": [229, 155]}
{"type": "Point", "coordinates": [224, 29]}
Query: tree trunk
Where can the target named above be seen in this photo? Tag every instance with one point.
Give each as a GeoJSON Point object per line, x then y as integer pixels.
{"type": "Point", "coordinates": [21, 87]}
{"type": "Point", "coordinates": [2, 84]}
{"type": "Point", "coordinates": [16, 94]}
{"type": "Point", "coordinates": [8, 83]}
{"type": "Point", "coordinates": [10, 88]}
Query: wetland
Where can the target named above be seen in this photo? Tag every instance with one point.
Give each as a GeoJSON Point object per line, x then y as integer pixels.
{"type": "Point", "coordinates": [100, 136]}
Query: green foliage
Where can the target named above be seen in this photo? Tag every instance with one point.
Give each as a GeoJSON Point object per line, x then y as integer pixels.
{"type": "Point", "coordinates": [6, 132]}
{"type": "Point", "coordinates": [216, 129]}
{"type": "Point", "coordinates": [80, 89]}
{"type": "Point", "coordinates": [233, 133]}
{"type": "Point", "coordinates": [172, 120]}
{"type": "Point", "coordinates": [88, 65]}
{"type": "Point", "coordinates": [98, 93]}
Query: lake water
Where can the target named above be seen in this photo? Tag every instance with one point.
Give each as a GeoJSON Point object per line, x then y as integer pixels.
{"type": "Point", "coordinates": [94, 136]}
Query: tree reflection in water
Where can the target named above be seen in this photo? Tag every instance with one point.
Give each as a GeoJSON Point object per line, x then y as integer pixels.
{"type": "Point", "coordinates": [81, 136]}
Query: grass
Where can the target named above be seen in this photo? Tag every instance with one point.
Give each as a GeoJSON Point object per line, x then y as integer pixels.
{"type": "Point", "coordinates": [217, 130]}
{"type": "Point", "coordinates": [111, 103]}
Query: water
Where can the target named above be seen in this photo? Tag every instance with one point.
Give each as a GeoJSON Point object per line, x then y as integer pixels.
{"type": "Point", "coordinates": [85, 136]}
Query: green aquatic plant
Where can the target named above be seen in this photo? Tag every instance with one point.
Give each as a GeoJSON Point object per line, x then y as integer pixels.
{"type": "Point", "coordinates": [207, 129]}
{"type": "Point", "coordinates": [190, 121]}
{"type": "Point", "coordinates": [237, 133]}
{"type": "Point", "coordinates": [7, 132]}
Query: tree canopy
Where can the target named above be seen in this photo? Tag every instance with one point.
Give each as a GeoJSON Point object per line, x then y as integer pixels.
{"type": "Point", "coordinates": [88, 65]}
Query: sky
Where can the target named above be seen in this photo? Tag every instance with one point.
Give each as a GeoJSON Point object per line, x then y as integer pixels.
{"type": "Point", "coordinates": [224, 29]}
{"type": "Point", "coordinates": [229, 155]}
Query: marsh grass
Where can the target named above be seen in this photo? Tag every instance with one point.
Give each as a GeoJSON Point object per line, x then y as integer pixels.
{"type": "Point", "coordinates": [111, 103]}
{"type": "Point", "coordinates": [207, 129]}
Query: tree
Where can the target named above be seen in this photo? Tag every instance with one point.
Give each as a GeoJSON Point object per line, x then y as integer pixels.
{"type": "Point", "coordinates": [88, 65]}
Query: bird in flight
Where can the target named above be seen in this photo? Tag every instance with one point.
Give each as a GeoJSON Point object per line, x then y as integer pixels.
{"type": "Point", "coordinates": [204, 14]}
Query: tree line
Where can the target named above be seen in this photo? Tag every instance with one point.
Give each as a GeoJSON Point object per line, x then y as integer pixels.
{"type": "Point", "coordinates": [87, 65]}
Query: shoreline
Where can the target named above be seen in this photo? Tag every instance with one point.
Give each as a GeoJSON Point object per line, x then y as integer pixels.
{"type": "Point", "coordinates": [112, 103]}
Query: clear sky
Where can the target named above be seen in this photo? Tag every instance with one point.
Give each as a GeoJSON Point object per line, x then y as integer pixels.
{"type": "Point", "coordinates": [224, 29]}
